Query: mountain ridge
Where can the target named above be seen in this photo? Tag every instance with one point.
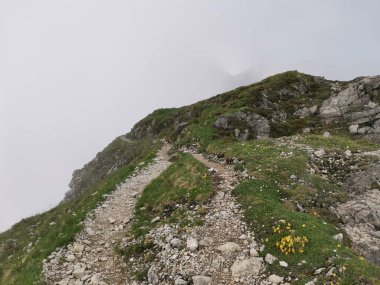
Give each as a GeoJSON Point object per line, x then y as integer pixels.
{"type": "Point", "coordinates": [310, 143]}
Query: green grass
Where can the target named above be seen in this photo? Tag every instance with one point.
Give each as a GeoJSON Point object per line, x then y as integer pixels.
{"type": "Point", "coordinates": [263, 207]}
{"type": "Point", "coordinates": [338, 142]}
{"type": "Point", "coordinates": [186, 182]}
{"type": "Point", "coordinates": [272, 195]}
{"type": "Point", "coordinates": [17, 265]}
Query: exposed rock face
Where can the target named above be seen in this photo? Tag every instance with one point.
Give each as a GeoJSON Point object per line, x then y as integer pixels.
{"type": "Point", "coordinates": [117, 154]}
{"type": "Point", "coordinates": [361, 215]}
{"type": "Point", "coordinates": [357, 105]}
{"type": "Point", "coordinates": [244, 125]}
{"type": "Point", "coordinates": [304, 112]}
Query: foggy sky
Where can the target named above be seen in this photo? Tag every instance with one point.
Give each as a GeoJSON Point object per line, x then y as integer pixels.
{"type": "Point", "coordinates": [74, 74]}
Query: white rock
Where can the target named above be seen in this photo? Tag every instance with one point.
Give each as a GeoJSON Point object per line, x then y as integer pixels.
{"type": "Point", "coordinates": [175, 242]}
{"type": "Point", "coordinates": [202, 280]}
{"type": "Point", "coordinates": [155, 220]}
{"type": "Point", "coordinates": [84, 278]}
{"type": "Point", "coordinates": [229, 247]}
{"type": "Point", "coordinates": [90, 231]}
{"type": "Point", "coordinates": [348, 153]}
{"type": "Point", "coordinates": [275, 279]}
{"type": "Point", "coordinates": [372, 105]}
{"type": "Point", "coordinates": [251, 266]}
{"type": "Point", "coordinates": [353, 129]}
{"type": "Point", "coordinates": [95, 280]}
{"type": "Point", "coordinates": [78, 247]}
{"type": "Point", "coordinates": [152, 276]}
{"type": "Point", "coordinates": [320, 270]}
{"type": "Point", "coordinates": [180, 281]}
{"type": "Point", "coordinates": [270, 258]}
{"type": "Point", "coordinates": [79, 273]}
{"type": "Point", "coordinates": [338, 237]}
{"type": "Point", "coordinates": [326, 135]}
{"type": "Point", "coordinates": [191, 244]}
{"type": "Point", "coordinates": [253, 252]}
{"type": "Point", "coordinates": [70, 258]}
{"type": "Point", "coordinates": [111, 220]}
{"type": "Point", "coordinates": [283, 263]}
{"type": "Point", "coordinates": [320, 153]}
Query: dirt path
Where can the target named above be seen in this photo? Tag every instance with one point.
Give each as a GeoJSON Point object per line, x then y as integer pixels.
{"type": "Point", "coordinates": [221, 251]}
{"type": "Point", "coordinates": [91, 258]}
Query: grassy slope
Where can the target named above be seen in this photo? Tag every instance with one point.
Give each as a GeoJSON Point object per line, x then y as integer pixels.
{"type": "Point", "coordinates": [20, 266]}
{"type": "Point", "coordinates": [185, 182]}
{"type": "Point", "coordinates": [262, 159]}
{"type": "Point", "coordinates": [266, 202]}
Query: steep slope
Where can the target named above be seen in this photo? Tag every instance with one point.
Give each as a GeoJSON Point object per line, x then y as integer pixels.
{"type": "Point", "coordinates": [304, 151]}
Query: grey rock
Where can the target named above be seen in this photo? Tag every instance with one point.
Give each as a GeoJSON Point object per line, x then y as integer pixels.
{"type": "Point", "coordinates": [253, 252]}
{"type": "Point", "coordinates": [152, 276]}
{"type": "Point", "coordinates": [275, 279]}
{"type": "Point", "coordinates": [304, 112]}
{"type": "Point", "coordinates": [326, 135]}
{"type": "Point", "coordinates": [90, 231]}
{"type": "Point", "coordinates": [70, 258]}
{"type": "Point", "coordinates": [155, 220]}
{"type": "Point", "coordinates": [180, 281]}
{"type": "Point", "coordinates": [175, 243]}
{"type": "Point", "coordinates": [320, 153]}
{"type": "Point", "coordinates": [229, 247]}
{"type": "Point", "coordinates": [78, 247]}
{"type": "Point", "coordinates": [202, 280]}
{"type": "Point", "coordinates": [192, 244]}
{"type": "Point", "coordinates": [361, 219]}
{"type": "Point", "coordinates": [353, 129]}
{"type": "Point", "coordinates": [79, 273]}
{"type": "Point", "coordinates": [338, 237]}
{"type": "Point", "coordinates": [270, 258]}
{"type": "Point", "coordinates": [244, 125]}
{"type": "Point", "coordinates": [95, 280]}
{"type": "Point", "coordinates": [320, 270]}
{"type": "Point", "coordinates": [252, 266]}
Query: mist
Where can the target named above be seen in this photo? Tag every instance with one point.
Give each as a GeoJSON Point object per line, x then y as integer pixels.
{"type": "Point", "coordinates": [76, 74]}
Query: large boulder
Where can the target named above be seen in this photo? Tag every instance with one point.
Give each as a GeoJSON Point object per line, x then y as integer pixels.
{"type": "Point", "coordinates": [244, 125]}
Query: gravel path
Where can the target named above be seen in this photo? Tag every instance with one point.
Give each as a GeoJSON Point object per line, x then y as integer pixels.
{"type": "Point", "coordinates": [91, 258]}
{"type": "Point", "coordinates": [221, 251]}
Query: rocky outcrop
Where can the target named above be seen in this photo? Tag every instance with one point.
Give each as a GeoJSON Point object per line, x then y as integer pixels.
{"type": "Point", "coordinates": [306, 111]}
{"type": "Point", "coordinates": [361, 219]}
{"type": "Point", "coordinates": [243, 125]}
{"type": "Point", "coordinates": [361, 214]}
{"type": "Point", "coordinates": [358, 105]}
{"type": "Point", "coordinates": [117, 154]}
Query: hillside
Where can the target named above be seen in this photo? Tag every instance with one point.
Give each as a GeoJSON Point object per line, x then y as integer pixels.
{"type": "Point", "coordinates": [277, 182]}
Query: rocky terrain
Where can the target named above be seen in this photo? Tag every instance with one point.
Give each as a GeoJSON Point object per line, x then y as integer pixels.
{"type": "Point", "coordinates": [282, 187]}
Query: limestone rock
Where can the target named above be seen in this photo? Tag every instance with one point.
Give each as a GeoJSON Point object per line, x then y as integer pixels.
{"type": "Point", "coordinates": [244, 125]}
{"type": "Point", "coordinates": [245, 267]}
{"type": "Point", "coordinates": [229, 247]}
{"type": "Point", "coordinates": [275, 279]}
{"type": "Point", "coordinates": [202, 280]}
{"type": "Point", "coordinates": [152, 276]}
{"type": "Point", "coordinates": [192, 244]}
{"type": "Point", "coordinates": [270, 258]}
{"type": "Point", "coordinates": [338, 237]}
